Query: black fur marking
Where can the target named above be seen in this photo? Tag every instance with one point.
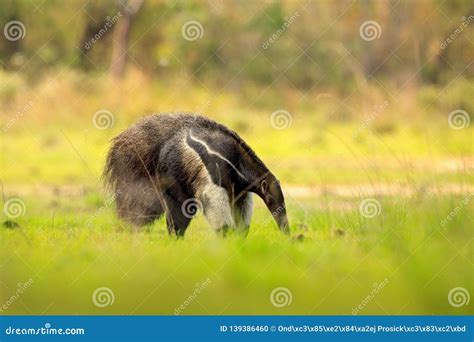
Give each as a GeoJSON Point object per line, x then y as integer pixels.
{"type": "Point", "coordinates": [219, 167]}
{"type": "Point", "coordinates": [151, 174]}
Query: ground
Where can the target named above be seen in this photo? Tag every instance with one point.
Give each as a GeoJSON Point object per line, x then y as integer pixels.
{"type": "Point", "coordinates": [381, 224]}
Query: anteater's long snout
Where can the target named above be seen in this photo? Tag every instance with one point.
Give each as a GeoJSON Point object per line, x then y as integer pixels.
{"type": "Point", "coordinates": [278, 210]}
{"type": "Point", "coordinates": [282, 221]}
{"type": "Point", "coordinates": [271, 193]}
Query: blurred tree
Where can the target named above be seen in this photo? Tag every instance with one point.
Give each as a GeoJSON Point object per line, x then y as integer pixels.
{"type": "Point", "coordinates": [121, 37]}
{"type": "Point", "coordinates": [321, 48]}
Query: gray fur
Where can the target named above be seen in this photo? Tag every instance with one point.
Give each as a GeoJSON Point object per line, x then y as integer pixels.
{"type": "Point", "coordinates": [159, 164]}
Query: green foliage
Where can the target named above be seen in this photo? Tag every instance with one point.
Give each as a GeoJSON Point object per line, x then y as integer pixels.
{"type": "Point", "coordinates": [307, 52]}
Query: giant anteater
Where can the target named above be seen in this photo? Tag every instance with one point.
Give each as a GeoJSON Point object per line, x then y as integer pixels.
{"type": "Point", "coordinates": [175, 164]}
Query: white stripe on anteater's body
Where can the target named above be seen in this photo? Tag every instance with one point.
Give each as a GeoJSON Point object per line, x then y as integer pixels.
{"type": "Point", "coordinates": [217, 154]}
{"type": "Point", "coordinates": [161, 162]}
{"type": "Point", "coordinates": [218, 207]}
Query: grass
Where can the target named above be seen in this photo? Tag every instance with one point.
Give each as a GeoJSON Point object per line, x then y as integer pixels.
{"type": "Point", "coordinates": [71, 246]}
{"type": "Point", "coordinates": [69, 242]}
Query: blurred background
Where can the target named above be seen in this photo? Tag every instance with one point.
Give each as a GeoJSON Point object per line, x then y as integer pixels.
{"type": "Point", "coordinates": [380, 66]}
{"type": "Point", "coordinates": [343, 100]}
{"type": "Point", "coordinates": [316, 59]}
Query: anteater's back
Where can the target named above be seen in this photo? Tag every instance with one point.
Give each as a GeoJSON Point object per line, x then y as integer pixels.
{"type": "Point", "coordinates": [134, 154]}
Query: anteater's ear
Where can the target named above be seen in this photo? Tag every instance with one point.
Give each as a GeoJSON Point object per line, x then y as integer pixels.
{"type": "Point", "coordinates": [264, 186]}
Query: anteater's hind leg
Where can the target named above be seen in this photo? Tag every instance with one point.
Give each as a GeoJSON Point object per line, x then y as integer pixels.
{"type": "Point", "coordinates": [243, 210]}
{"type": "Point", "coordinates": [217, 209]}
{"type": "Point", "coordinates": [138, 203]}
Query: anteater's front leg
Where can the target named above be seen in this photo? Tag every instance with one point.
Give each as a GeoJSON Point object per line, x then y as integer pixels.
{"type": "Point", "coordinates": [176, 219]}
{"type": "Point", "coordinates": [243, 210]}
{"type": "Point", "coordinates": [217, 208]}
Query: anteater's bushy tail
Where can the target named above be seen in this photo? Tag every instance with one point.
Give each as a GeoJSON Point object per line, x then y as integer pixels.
{"type": "Point", "coordinates": [130, 174]}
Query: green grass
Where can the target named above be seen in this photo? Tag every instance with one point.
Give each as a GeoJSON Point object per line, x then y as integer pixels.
{"type": "Point", "coordinates": [70, 246]}
{"type": "Point", "coordinates": [70, 243]}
